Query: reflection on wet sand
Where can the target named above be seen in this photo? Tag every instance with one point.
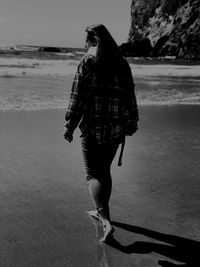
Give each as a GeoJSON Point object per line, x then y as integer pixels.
{"type": "Point", "coordinates": [102, 251]}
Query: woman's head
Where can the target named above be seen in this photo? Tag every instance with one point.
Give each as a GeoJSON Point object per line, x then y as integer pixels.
{"type": "Point", "coordinates": [107, 50]}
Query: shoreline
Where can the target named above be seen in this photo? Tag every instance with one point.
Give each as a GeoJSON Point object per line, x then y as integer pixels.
{"type": "Point", "coordinates": [145, 106]}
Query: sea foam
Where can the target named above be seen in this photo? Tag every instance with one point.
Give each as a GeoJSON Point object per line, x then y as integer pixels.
{"type": "Point", "coordinates": [25, 66]}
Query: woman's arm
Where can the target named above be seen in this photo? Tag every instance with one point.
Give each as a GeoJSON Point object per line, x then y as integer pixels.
{"type": "Point", "coordinates": [132, 107]}
{"type": "Point", "coordinates": [78, 97]}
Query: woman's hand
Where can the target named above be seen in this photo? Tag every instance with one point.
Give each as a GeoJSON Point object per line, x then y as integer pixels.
{"type": "Point", "coordinates": [130, 129]}
{"type": "Point", "coordinates": [68, 135]}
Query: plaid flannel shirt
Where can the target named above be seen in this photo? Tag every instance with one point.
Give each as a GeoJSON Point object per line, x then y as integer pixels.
{"type": "Point", "coordinates": [102, 109]}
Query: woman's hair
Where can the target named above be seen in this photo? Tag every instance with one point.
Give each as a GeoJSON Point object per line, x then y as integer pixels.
{"type": "Point", "coordinates": [108, 57]}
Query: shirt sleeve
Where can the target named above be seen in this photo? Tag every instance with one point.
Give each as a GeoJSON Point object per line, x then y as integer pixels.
{"type": "Point", "coordinates": [78, 95]}
{"type": "Point", "coordinates": [131, 100]}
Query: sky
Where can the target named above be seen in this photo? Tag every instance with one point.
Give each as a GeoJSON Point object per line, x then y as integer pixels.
{"type": "Point", "coordinates": [61, 22]}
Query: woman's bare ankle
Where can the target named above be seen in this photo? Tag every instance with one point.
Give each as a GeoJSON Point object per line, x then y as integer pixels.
{"type": "Point", "coordinates": [104, 213]}
{"type": "Point", "coordinates": [108, 229]}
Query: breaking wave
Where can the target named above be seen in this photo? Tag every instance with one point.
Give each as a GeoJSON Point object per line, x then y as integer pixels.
{"type": "Point", "coordinates": [34, 84]}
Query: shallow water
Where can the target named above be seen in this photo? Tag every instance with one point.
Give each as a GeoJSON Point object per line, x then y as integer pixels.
{"type": "Point", "coordinates": [37, 83]}
{"type": "Point", "coordinates": [38, 93]}
{"type": "Point", "coordinates": [34, 93]}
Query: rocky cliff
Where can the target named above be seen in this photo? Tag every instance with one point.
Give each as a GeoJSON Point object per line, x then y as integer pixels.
{"type": "Point", "coordinates": [164, 28]}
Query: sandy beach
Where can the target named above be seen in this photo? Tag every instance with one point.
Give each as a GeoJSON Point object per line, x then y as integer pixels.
{"type": "Point", "coordinates": [154, 204]}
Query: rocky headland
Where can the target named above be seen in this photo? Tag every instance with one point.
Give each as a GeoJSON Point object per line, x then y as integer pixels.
{"type": "Point", "coordinates": [164, 28]}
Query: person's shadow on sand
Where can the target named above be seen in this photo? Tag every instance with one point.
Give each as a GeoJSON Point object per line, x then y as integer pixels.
{"type": "Point", "coordinates": [177, 248]}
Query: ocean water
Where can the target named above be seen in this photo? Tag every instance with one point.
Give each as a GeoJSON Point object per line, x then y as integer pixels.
{"type": "Point", "coordinates": [35, 83]}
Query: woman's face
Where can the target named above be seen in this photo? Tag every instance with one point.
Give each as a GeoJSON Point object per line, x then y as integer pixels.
{"type": "Point", "coordinates": [89, 42]}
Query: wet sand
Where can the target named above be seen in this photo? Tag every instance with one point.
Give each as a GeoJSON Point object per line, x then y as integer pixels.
{"type": "Point", "coordinates": [154, 204]}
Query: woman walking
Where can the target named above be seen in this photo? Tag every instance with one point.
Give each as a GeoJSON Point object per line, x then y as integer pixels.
{"type": "Point", "coordinates": [103, 104]}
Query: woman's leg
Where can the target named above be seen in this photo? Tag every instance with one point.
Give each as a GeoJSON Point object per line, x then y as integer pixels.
{"type": "Point", "coordinates": [91, 161]}
{"type": "Point", "coordinates": [98, 159]}
{"type": "Point", "coordinates": [95, 189]}
{"type": "Point", "coordinates": [110, 151]}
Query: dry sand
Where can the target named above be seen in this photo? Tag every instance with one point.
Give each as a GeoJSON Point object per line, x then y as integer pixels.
{"type": "Point", "coordinates": [154, 204]}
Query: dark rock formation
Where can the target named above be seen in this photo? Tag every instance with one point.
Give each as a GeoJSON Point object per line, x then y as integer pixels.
{"type": "Point", "coordinates": [164, 28]}
{"type": "Point", "coordinates": [138, 48]}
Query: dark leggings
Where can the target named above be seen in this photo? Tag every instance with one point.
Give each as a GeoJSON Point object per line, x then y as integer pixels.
{"type": "Point", "coordinates": [97, 160]}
